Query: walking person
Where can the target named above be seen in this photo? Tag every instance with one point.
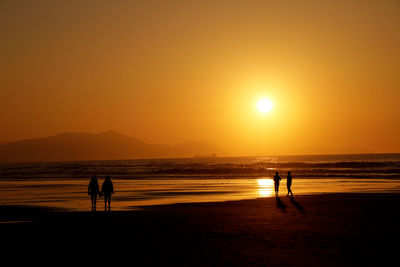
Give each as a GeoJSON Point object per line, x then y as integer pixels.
{"type": "Point", "coordinates": [107, 189]}
{"type": "Point", "coordinates": [93, 191]}
{"type": "Point", "coordinates": [277, 179]}
{"type": "Point", "coordinates": [289, 184]}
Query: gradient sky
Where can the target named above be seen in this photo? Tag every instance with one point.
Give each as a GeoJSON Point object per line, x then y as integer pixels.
{"type": "Point", "coordinates": [172, 71]}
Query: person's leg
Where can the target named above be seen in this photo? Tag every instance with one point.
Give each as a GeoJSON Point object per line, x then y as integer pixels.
{"type": "Point", "coordinates": [105, 202]}
{"type": "Point", "coordinates": [109, 202]}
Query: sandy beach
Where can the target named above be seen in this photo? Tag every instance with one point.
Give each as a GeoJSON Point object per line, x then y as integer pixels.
{"type": "Point", "coordinates": [310, 230]}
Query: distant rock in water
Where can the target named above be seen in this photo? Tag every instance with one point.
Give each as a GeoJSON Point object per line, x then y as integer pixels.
{"type": "Point", "coordinates": [108, 145]}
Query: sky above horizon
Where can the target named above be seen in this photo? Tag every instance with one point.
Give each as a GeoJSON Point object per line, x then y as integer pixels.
{"type": "Point", "coordinates": [172, 71]}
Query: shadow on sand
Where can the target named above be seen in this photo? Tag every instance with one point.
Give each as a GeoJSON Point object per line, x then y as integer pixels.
{"type": "Point", "coordinates": [280, 204]}
{"type": "Point", "coordinates": [297, 205]}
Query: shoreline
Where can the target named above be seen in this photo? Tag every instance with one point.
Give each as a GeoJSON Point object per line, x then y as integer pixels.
{"type": "Point", "coordinates": [71, 194]}
{"type": "Point", "coordinates": [39, 210]}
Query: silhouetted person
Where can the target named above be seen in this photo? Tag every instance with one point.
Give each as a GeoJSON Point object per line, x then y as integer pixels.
{"type": "Point", "coordinates": [277, 178]}
{"type": "Point", "coordinates": [93, 191]}
{"type": "Point", "coordinates": [289, 184]}
{"type": "Point", "coordinates": [107, 189]}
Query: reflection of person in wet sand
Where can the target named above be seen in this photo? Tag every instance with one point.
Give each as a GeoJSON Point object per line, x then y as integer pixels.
{"type": "Point", "coordinates": [107, 189]}
{"type": "Point", "coordinates": [277, 178]}
{"type": "Point", "coordinates": [289, 184]}
{"type": "Point", "coordinates": [93, 191]}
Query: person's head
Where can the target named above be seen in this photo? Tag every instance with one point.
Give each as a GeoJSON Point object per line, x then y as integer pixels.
{"type": "Point", "coordinates": [288, 173]}
{"type": "Point", "coordinates": [94, 177]}
{"type": "Point", "coordinates": [276, 173]}
{"type": "Point", "coordinates": [108, 177]}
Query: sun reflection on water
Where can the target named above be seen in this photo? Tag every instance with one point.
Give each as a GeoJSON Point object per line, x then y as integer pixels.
{"type": "Point", "coordinates": [265, 187]}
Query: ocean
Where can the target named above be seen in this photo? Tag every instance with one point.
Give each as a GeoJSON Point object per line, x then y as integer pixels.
{"type": "Point", "coordinates": [165, 181]}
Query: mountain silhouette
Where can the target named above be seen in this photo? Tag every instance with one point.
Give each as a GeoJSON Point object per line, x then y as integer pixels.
{"type": "Point", "coordinates": [108, 145]}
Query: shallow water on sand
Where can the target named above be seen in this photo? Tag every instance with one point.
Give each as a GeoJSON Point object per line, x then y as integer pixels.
{"type": "Point", "coordinates": [165, 181]}
{"type": "Point", "coordinates": [133, 193]}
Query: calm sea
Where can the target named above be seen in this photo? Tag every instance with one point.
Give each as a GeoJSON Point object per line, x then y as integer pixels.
{"type": "Point", "coordinates": [164, 181]}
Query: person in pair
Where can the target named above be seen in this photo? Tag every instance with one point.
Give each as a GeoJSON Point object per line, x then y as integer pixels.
{"type": "Point", "coordinates": [277, 179]}
{"type": "Point", "coordinates": [107, 189]}
{"type": "Point", "coordinates": [289, 184]}
{"type": "Point", "coordinates": [93, 191]}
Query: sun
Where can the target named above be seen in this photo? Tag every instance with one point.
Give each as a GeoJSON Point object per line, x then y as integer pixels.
{"type": "Point", "coordinates": [265, 105]}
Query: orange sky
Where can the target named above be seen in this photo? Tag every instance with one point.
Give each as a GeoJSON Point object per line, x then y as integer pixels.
{"type": "Point", "coordinates": [172, 71]}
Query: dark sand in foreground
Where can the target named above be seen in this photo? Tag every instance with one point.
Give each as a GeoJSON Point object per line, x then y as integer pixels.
{"type": "Point", "coordinates": [315, 230]}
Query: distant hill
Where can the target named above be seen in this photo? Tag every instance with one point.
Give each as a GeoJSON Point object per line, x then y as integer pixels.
{"type": "Point", "coordinates": [103, 146]}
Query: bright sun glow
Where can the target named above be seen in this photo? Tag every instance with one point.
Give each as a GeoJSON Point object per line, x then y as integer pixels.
{"type": "Point", "coordinates": [265, 187]}
{"type": "Point", "coordinates": [265, 182]}
{"type": "Point", "coordinates": [265, 105]}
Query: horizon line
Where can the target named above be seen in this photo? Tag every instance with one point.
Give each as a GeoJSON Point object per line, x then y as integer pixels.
{"type": "Point", "coordinates": [176, 158]}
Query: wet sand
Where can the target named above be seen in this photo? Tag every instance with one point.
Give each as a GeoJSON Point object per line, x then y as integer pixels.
{"type": "Point", "coordinates": [310, 230]}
